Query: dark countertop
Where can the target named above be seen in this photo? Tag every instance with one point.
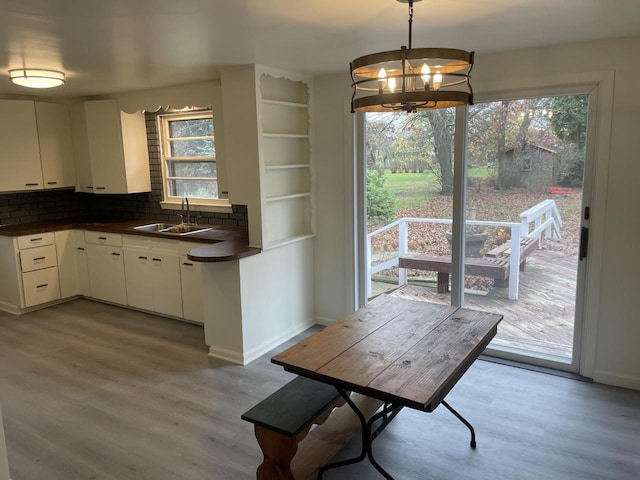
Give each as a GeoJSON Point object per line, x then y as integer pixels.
{"type": "Point", "coordinates": [219, 244]}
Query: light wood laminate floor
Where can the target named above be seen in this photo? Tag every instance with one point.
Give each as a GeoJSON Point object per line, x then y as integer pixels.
{"type": "Point", "coordinates": [92, 391]}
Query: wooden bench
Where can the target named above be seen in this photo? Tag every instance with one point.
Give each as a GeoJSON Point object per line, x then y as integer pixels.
{"type": "Point", "coordinates": [496, 263]}
{"type": "Point", "coordinates": [292, 449]}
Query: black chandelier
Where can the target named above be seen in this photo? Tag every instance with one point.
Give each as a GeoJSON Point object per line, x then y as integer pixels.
{"type": "Point", "coordinates": [411, 79]}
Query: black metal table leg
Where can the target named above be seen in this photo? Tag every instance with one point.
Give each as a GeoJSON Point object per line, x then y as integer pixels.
{"type": "Point", "coordinates": [463, 420]}
{"type": "Point", "coordinates": [387, 414]}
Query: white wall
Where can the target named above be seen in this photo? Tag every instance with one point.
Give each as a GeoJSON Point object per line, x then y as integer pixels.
{"type": "Point", "coordinates": [334, 198]}
{"type": "Point", "coordinates": [254, 304]}
{"type": "Point", "coordinates": [615, 331]}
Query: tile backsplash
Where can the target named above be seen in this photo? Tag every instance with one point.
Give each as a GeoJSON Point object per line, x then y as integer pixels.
{"type": "Point", "coordinates": [25, 207]}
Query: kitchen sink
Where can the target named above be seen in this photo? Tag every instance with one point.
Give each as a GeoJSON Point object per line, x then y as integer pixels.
{"type": "Point", "coordinates": [153, 227]}
{"type": "Point", "coordinates": [180, 229]}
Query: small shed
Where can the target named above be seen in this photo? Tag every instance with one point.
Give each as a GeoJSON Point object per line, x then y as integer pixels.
{"type": "Point", "coordinates": [533, 166]}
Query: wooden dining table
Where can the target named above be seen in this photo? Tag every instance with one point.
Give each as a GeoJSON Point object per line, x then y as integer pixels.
{"type": "Point", "coordinates": [405, 353]}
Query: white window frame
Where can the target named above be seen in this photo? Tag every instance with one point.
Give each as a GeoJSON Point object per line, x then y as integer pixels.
{"type": "Point", "coordinates": [175, 202]}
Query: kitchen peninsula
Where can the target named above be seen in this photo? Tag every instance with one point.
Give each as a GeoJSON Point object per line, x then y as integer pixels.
{"type": "Point", "coordinates": [206, 277]}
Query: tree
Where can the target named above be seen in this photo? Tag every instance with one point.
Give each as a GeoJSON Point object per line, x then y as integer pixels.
{"type": "Point", "coordinates": [569, 123]}
{"type": "Point", "coordinates": [379, 138]}
{"type": "Point", "coordinates": [381, 203]}
{"type": "Point", "coordinates": [569, 118]}
{"type": "Point", "coordinates": [442, 122]}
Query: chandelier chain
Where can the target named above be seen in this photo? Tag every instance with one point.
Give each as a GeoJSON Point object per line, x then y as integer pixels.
{"type": "Point", "coordinates": [410, 21]}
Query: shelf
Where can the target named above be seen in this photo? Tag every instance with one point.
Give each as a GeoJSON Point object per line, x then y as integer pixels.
{"type": "Point", "coordinates": [279, 89]}
{"type": "Point", "coordinates": [286, 176]}
{"type": "Point", "coordinates": [286, 167]}
{"type": "Point", "coordinates": [279, 117]}
{"type": "Point", "coordinates": [280, 198]}
{"type": "Point", "coordinates": [284, 104]}
{"type": "Point", "coordinates": [286, 135]}
{"type": "Point", "coordinates": [284, 151]}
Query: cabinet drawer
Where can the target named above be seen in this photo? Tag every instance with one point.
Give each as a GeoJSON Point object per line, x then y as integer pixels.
{"type": "Point", "coordinates": [38, 258]}
{"type": "Point", "coordinates": [41, 286]}
{"type": "Point", "coordinates": [102, 238]}
{"type": "Point", "coordinates": [36, 240]}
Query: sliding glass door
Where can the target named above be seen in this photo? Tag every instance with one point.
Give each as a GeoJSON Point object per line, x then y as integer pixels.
{"type": "Point", "coordinates": [521, 178]}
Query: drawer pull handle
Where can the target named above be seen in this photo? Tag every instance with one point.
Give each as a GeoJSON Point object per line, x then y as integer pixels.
{"type": "Point", "coordinates": [42, 285]}
{"type": "Point", "coordinates": [187, 264]}
{"type": "Point", "coordinates": [81, 249]}
{"type": "Point", "coordinates": [102, 238]}
{"type": "Point", "coordinates": [30, 184]}
{"type": "Point", "coordinates": [116, 254]}
{"type": "Point", "coordinates": [101, 188]}
{"type": "Point", "coordinates": [37, 239]}
{"type": "Point", "coordinates": [39, 259]}
{"type": "Point", "coordinates": [52, 183]}
{"type": "Point", "coordinates": [142, 258]}
{"type": "Point", "coordinates": [157, 259]}
{"type": "Point", "coordinates": [90, 186]}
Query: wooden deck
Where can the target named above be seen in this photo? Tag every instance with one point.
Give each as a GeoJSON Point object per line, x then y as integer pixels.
{"type": "Point", "coordinates": [541, 320]}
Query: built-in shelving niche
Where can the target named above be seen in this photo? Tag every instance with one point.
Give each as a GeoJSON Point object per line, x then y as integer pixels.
{"type": "Point", "coordinates": [286, 158]}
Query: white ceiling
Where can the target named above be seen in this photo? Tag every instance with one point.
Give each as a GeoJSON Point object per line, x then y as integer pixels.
{"type": "Point", "coordinates": [108, 46]}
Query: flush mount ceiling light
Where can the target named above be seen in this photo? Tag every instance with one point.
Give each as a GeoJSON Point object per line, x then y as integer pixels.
{"type": "Point", "coordinates": [36, 77]}
{"type": "Point", "coordinates": [411, 79]}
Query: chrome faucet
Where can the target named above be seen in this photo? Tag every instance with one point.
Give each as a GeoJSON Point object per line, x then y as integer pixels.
{"type": "Point", "coordinates": [185, 199]}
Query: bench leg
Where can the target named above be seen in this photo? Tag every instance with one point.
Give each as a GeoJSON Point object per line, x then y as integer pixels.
{"type": "Point", "coordinates": [443, 282]}
{"type": "Point", "coordinates": [278, 451]}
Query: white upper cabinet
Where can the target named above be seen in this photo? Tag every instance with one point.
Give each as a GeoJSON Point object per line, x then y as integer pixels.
{"type": "Point", "coordinates": [20, 154]}
{"type": "Point", "coordinates": [36, 144]}
{"type": "Point", "coordinates": [111, 149]}
{"type": "Point", "coordinates": [56, 146]}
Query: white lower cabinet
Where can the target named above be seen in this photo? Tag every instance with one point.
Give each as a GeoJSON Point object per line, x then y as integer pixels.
{"type": "Point", "coordinates": [72, 263]}
{"type": "Point", "coordinates": [153, 274]}
{"type": "Point", "coordinates": [28, 271]}
{"type": "Point", "coordinates": [105, 263]}
{"type": "Point", "coordinates": [191, 280]}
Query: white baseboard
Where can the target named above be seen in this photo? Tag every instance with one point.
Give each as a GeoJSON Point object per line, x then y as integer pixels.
{"type": "Point", "coordinates": [244, 358]}
{"type": "Point", "coordinates": [324, 321]}
{"type": "Point", "coordinates": [616, 379]}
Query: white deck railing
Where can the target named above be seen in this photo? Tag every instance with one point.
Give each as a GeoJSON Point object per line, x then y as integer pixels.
{"type": "Point", "coordinates": [541, 221]}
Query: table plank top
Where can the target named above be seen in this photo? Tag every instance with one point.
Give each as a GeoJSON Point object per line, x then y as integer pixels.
{"type": "Point", "coordinates": [402, 351]}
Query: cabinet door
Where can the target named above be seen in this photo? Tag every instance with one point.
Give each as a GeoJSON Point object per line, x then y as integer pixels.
{"type": "Point", "coordinates": [104, 136]}
{"type": "Point", "coordinates": [191, 277]}
{"type": "Point", "coordinates": [56, 149]}
{"type": "Point", "coordinates": [72, 263]}
{"type": "Point", "coordinates": [138, 273]}
{"type": "Point", "coordinates": [167, 292]}
{"type": "Point", "coordinates": [20, 152]}
{"type": "Point", "coordinates": [81, 262]}
{"type": "Point", "coordinates": [106, 273]}
{"type": "Point", "coordinates": [84, 181]}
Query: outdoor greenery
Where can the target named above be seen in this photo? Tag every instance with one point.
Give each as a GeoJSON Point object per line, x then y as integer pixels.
{"type": "Point", "coordinates": [503, 136]}
{"type": "Point", "coordinates": [381, 202]}
{"type": "Point", "coordinates": [191, 168]}
{"type": "Point", "coordinates": [516, 150]}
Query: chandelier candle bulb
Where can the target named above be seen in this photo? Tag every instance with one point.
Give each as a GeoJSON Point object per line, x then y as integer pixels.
{"type": "Point", "coordinates": [437, 81]}
{"type": "Point", "coordinates": [382, 80]}
{"type": "Point", "coordinates": [426, 75]}
{"type": "Point", "coordinates": [389, 81]}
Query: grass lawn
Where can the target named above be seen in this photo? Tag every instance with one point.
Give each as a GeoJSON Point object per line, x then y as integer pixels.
{"type": "Point", "coordinates": [417, 189]}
